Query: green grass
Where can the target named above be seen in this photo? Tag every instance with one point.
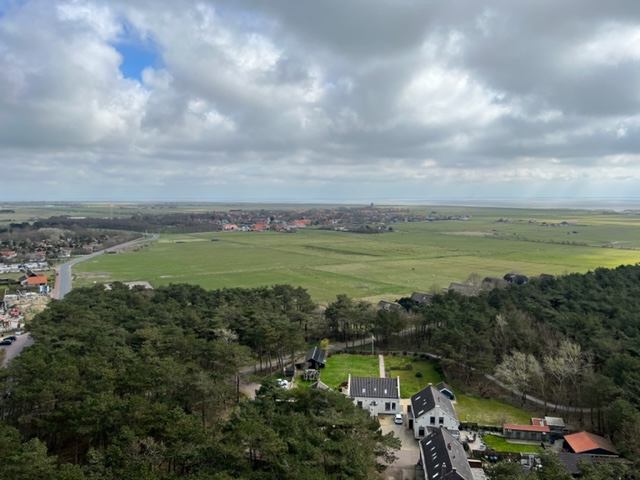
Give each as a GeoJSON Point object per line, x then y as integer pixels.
{"type": "Point", "coordinates": [500, 444]}
{"type": "Point", "coordinates": [484, 411]}
{"type": "Point", "coordinates": [339, 367]}
{"type": "Point", "coordinates": [409, 383]}
{"type": "Point", "coordinates": [416, 256]}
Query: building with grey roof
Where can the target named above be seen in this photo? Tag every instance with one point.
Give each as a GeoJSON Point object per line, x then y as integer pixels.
{"type": "Point", "coordinates": [430, 410]}
{"type": "Point", "coordinates": [377, 395]}
{"type": "Point", "coordinates": [443, 457]}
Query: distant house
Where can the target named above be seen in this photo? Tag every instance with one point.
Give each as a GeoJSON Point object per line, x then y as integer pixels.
{"type": "Point", "coordinates": [421, 297]}
{"type": "Point", "coordinates": [431, 410]}
{"type": "Point", "coordinates": [445, 390]}
{"type": "Point", "coordinates": [443, 457]}
{"type": "Point", "coordinates": [377, 395]}
{"type": "Point", "coordinates": [384, 305]}
{"type": "Point", "coordinates": [316, 358]}
{"type": "Point", "coordinates": [516, 278]}
{"type": "Point", "coordinates": [585, 442]}
{"type": "Point", "coordinates": [8, 254]}
{"type": "Point", "coordinates": [538, 433]}
{"type": "Point", "coordinates": [489, 283]}
{"type": "Point", "coordinates": [31, 279]}
{"type": "Point", "coordinates": [462, 289]}
{"type": "Point", "coordinates": [230, 227]}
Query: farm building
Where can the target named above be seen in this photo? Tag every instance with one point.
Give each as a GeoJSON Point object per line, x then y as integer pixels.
{"type": "Point", "coordinates": [421, 297]}
{"type": "Point", "coordinates": [32, 279]}
{"type": "Point", "coordinates": [431, 410]}
{"type": "Point", "coordinates": [539, 433]}
{"type": "Point", "coordinates": [384, 305]}
{"type": "Point", "coordinates": [585, 442]}
{"type": "Point", "coordinates": [378, 395]}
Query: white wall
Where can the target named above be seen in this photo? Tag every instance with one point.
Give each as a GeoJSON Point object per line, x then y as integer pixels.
{"type": "Point", "coordinates": [450, 423]}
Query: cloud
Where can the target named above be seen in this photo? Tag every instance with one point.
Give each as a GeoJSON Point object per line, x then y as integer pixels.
{"type": "Point", "coordinates": [244, 99]}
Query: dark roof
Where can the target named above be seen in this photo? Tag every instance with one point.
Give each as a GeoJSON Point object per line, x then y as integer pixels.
{"type": "Point", "coordinates": [585, 442]}
{"type": "Point", "coordinates": [444, 457]}
{"type": "Point", "coordinates": [442, 386]}
{"type": "Point", "coordinates": [384, 305]}
{"type": "Point", "coordinates": [421, 297]}
{"type": "Point", "coordinates": [571, 460]}
{"type": "Point", "coordinates": [316, 354]}
{"type": "Point", "coordinates": [374, 387]}
{"type": "Point", "coordinates": [463, 289]}
{"type": "Point", "coordinates": [426, 400]}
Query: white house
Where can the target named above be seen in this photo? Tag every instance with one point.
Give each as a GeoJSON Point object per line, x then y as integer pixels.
{"type": "Point", "coordinates": [377, 395]}
{"type": "Point", "coordinates": [430, 410]}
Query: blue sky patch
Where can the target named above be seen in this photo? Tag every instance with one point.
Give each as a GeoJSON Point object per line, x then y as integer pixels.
{"type": "Point", "coordinates": [135, 58]}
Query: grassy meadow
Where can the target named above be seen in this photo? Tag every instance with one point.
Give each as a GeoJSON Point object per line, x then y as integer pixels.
{"type": "Point", "coordinates": [414, 257]}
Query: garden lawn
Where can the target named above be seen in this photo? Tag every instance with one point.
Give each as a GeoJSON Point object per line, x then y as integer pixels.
{"type": "Point", "coordinates": [409, 383]}
{"type": "Point", "coordinates": [484, 411]}
{"type": "Point", "coordinates": [500, 444]}
{"type": "Point", "coordinates": [338, 368]}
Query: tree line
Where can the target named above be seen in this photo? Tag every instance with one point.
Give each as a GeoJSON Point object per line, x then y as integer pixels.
{"type": "Point", "coordinates": [141, 384]}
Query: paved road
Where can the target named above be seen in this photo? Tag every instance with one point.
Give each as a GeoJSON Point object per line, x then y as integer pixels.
{"type": "Point", "coordinates": [63, 272]}
{"type": "Point", "coordinates": [13, 350]}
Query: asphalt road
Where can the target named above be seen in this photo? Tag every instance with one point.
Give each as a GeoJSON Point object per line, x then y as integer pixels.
{"type": "Point", "coordinates": [13, 350]}
{"type": "Point", "coordinates": [63, 272]}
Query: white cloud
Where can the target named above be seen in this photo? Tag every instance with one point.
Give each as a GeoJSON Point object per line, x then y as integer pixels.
{"type": "Point", "coordinates": [254, 97]}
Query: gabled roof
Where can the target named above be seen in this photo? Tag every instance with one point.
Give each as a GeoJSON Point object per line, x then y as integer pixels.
{"type": "Point", "coordinates": [384, 305]}
{"type": "Point", "coordinates": [442, 386]}
{"type": "Point", "coordinates": [426, 400]}
{"type": "Point", "coordinates": [525, 428]}
{"type": "Point", "coordinates": [317, 355]}
{"type": "Point", "coordinates": [586, 442]}
{"type": "Point", "coordinates": [571, 460]}
{"type": "Point", "coordinates": [319, 386]}
{"type": "Point", "coordinates": [444, 457]}
{"type": "Point", "coordinates": [421, 297]}
{"type": "Point", "coordinates": [374, 387]}
{"type": "Point", "coordinates": [37, 280]}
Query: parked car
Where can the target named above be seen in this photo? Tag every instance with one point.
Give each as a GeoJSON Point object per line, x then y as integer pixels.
{"type": "Point", "coordinates": [398, 419]}
{"type": "Point", "coordinates": [13, 338]}
{"type": "Point", "coordinates": [283, 383]}
{"type": "Point", "coordinates": [5, 341]}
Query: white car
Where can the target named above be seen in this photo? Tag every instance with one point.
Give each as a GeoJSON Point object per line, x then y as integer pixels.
{"type": "Point", "coordinates": [283, 383]}
{"type": "Point", "coordinates": [398, 419]}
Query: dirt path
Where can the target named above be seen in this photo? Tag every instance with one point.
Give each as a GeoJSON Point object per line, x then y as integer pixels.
{"type": "Point", "coordinates": [381, 365]}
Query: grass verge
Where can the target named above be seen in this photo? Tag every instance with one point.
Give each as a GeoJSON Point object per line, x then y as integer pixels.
{"type": "Point", "coordinates": [500, 444]}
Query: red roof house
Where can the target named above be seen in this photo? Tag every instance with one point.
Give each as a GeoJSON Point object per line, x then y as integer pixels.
{"type": "Point", "coordinates": [585, 442]}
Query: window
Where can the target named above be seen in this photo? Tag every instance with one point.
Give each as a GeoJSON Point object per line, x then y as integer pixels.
{"type": "Point", "coordinates": [393, 405]}
{"type": "Point", "coordinates": [387, 406]}
{"type": "Point", "coordinates": [360, 403]}
{"type": "Point", "coordinates": [441, 421]}
{"type": "Point", "coordinates": [432, 420]}
{"type": "Point", "coordinates": [421, 432]}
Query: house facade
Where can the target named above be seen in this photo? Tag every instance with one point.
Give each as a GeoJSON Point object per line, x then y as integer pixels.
{"type": "Point", "coordinates": [432, 410]}
{"type": "Point", "coordinates": [379, 396]}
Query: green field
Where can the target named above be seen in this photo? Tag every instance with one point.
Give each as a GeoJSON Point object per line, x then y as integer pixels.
{"type": "Point", "coordinates": [484, 411]}
{"type": "Point", "coordinates": [414, 257]}
{"type": "Point", "coordinates": [409, 383]}
{"type": "Point", "coordinates": [339, 367]}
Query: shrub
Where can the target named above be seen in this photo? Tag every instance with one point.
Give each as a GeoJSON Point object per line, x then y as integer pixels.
{"type": "Point", "coordinates": [418, 374]}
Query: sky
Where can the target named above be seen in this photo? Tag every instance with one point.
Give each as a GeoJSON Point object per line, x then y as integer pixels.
{"type": "Point", "coordinates": [334, 101]}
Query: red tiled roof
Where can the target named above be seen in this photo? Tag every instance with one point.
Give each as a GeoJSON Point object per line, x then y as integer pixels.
{"type": "Point", "coordinates": [585, 442]}
{"type": "Point", "coordinates": [37, 280]}
{"type": "Point", "coordinates": [525, 428]}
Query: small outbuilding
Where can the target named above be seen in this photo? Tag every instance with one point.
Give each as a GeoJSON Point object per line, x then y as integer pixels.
{"type": "Point", "coordinates": [316, 358]}
{"type": "Point", "coordinates": [446, 390]}
{"type": "Point", "coordinates": [538, 433]}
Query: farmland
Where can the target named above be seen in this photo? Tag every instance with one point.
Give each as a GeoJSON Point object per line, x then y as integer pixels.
{"type": "Point", "coordinates": [414, 256]}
